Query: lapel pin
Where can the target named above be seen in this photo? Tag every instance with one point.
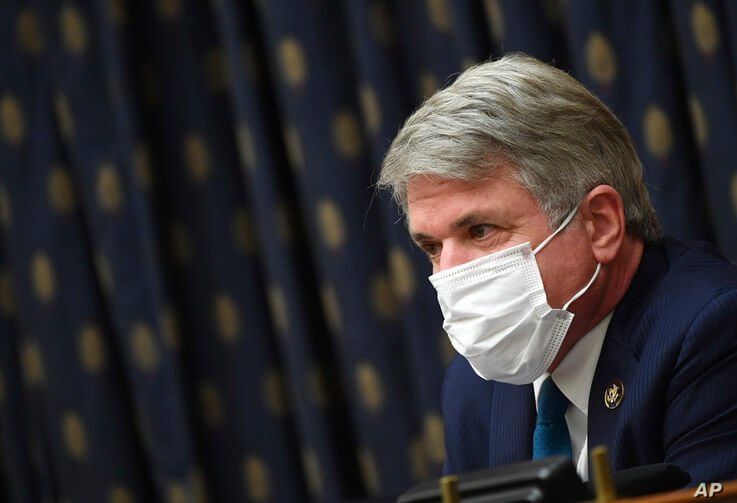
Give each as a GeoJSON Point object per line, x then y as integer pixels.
{"type": "Point", "coordinates": [613, 395]}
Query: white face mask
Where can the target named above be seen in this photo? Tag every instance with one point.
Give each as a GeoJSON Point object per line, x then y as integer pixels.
{"type": "Point", "coordinates": [497, 314]}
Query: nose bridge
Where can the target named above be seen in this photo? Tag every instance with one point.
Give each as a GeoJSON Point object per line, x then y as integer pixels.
{"type": "Point", "coordinates": [453, 253]}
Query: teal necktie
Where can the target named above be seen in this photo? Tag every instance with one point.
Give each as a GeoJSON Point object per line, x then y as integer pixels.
{"type": "Point", "coordinates": [551, 436]}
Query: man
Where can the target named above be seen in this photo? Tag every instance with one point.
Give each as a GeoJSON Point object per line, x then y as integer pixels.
{"type": "Point", "coordinates": [576, 323]}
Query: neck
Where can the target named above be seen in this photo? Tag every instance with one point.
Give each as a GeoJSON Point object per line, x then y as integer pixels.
{"type": "Point", "coordinates": [604, 295]}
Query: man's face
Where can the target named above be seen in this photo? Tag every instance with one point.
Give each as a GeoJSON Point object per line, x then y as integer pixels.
{"type": "Point", "coordinates": [454, 222]}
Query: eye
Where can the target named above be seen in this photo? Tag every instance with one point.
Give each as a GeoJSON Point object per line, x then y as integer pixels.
{"type": "Point", "coordinates": [431, 249]}
{"type": "Point", "coordinates": [480, 231]}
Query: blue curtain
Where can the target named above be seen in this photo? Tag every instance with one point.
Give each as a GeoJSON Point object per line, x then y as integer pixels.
{"type": "Point", "coordinates": [201, 297]}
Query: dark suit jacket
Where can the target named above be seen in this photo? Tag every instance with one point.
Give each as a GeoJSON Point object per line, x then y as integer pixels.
{"type": "Point", "coordinates": [673, 343]}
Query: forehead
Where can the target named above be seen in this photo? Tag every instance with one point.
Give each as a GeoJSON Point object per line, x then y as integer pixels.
{"type": "Point", "coordinates": [434, 202]}
{"type": "Point", "coordinates": [431, 190]}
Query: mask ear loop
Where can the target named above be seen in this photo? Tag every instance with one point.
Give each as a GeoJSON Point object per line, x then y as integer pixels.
{"type": "Point", "coordinates": [557, 231]}
{"type": "Point", "coordinates": [584, 289]}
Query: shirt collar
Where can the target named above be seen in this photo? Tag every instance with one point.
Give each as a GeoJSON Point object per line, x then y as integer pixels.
{"type": "Point", "coordinates": [575, 372]}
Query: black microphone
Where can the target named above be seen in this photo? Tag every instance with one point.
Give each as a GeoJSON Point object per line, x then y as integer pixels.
{"type": "Point", "coordinates": [549, 479]}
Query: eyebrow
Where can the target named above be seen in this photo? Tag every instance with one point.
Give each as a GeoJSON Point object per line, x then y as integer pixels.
{"type": "Point", "coordinates": [464, 221]}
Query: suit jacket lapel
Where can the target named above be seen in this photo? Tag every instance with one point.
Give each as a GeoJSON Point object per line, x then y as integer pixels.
{"type": "Point", "coordinates": [616, 363]}
{"type": "Point", "coordinates": [621, 349]}
{"type": "Point", "coordinates": [512, 424]}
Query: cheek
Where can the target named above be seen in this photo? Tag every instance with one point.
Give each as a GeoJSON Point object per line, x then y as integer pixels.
{"type": "Point", "coordinates": [456, 252]}
{"type": "Point", "coordinates": [563, 266]}
{"type": "Point", "coordinates": [554, 277]}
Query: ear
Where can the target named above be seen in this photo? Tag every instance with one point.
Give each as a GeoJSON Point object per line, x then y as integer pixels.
{"type": "Point", "coordinates": [603, 218]}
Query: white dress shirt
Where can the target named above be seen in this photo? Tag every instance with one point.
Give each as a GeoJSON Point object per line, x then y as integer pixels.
{"type": "Point", "coordinates": [573, 376]}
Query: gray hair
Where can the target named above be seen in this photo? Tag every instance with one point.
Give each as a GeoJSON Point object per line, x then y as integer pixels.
{"type": "Point", "coordinates": [561, 140]}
